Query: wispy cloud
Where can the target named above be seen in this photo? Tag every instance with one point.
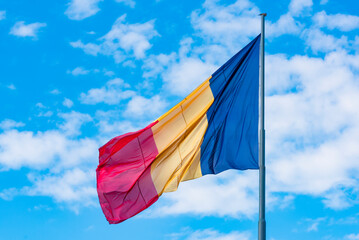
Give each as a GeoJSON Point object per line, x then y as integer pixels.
{"type": "Point", "coordinates": [67, 159]}
{"type": "Point", "coordinates": [21, 29]}
{"type": "Point", "coordinates": [67, 103]}
{"type": "Point", "coordinates": [78, 71]}
{"type": "Point", "coordinates": [296, 7]}
{"type": "Point", "coordinates": [123, 41]}
{"type": "Point", "coordinates": [55, 92]}
{"type": "Point", "coordinates": [130, 3]}
{"type": "Point", "coordinates": [323, 2]}
{"type": "Point", "coordinates": [230, 25]}
{"type": "Point", "coordinates": [10, 124]}
{"type": "Point", "coordinates": [139, 106]}
{"type": "Point", "coordinates": [318, 131]}
{"type": "Point", "coordinates": [81, 9]}
{"type": "Point", "coordinates": [319, 41]}
{"type": "Point", "coordinates": [71, 187]}
{"type": "Point", "coordinates": [108, 73]}
{"type": "Point", "coordinates": [89, 48]}
{"type": "Point", "coordinates": [11, 87]}
{"type": "Point", "coordinates": [314, 224]}
{"type": "Point", "coordinates": [112, 93]}
{"type": "Point", "coordinates": [2, 15]}
{"type": "Point", "coordinates": [286, 24]}
{"type": "Point", "coordinates": [73, 121]}
{"type": "Point", "coordinates": [43, 111]}
{"type": "Point", "coordinates": [342, 22]}
{"type": "Point", "coordinates": [352, 236]}
{"type": "Point", "coordinates": [218, 196]}
{"type": "Point", "coordinates": [39, 150]}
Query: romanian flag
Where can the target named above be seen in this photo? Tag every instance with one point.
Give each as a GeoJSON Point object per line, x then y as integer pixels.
{"type": "Point", "coordinates": [213, 129]}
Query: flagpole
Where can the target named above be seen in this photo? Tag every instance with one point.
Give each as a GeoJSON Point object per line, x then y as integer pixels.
{"type": "Point", "coordinates": [262, 221]}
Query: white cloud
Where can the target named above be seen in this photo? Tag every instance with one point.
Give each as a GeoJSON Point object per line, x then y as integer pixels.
{"type": "Point", "coordinates": [55, 92]}
{"type": "Point", "coordinates": [182, 72]}
{"type": "Point", "coordinates": [286, 24]}
{"type": "Point", "coordinates": [89, 48]}
{"type": "Point", "coordinates": [40, 150]}
{"type": "Point", "coordinates": [64, 162]}
{"type": "Point", "coordinates": [108, 73]}
{"type": "Point", "coordinates": [347, 220]}
{"type": "Point", "coordinates": [45, 114]}
{"type": "Point", "coordinates": [40, 208]}
{"type": "Point", "coordinates": [115, 91]}
{"type": "Point", "coordinates": [130, 38]}
{"type": "Point", "coordinates": [156, 64]}
{"type": "Point", "coordinates": [278, 80]}
{"type": "Point", "coordinates": [231, 25]}
{"type": "Point", "coordinates": [74, 185]}
{"type": "Point", "coordinates": [21, 29]}
{"type": "Point", "coordinates": [111, 123]}
{"type": "Point", "coordinates": [321, 42]}
{"type": "Point", "coordinates": [297, 7]}
{"type": "Point", "coordinates": [355, 44]}
{"type": "Point", "coordinates": [129, 3]}
{"type": "Point", "coordinates": [218, 195]}
{"type": "Point", "coordinates": [323, 2]}
{"type": "Point", "coordinates": [11, 87]}
{"type": "Point", "coordinates": [337, 199]}
{"type": "Point", "coordinates": [214, 195]}
{"type": "Point", "coordinates": [43, 110]}
{"type": "Point", "coordinates": [343, 22]}
{"type": "Point", "coordinates": [316, 127]}
{"type": "Point", "coordinates": [40, 105]}
{"type": "Point", "coordinates": [2, 15]}
{"type": "Point", "coordinates": [352, 236]}
{"type": "Point", "coordinates": [122, 41]}
{"type": "Point", "coordinates": [79, 71]}
{"type": "Point", "coordinates": [111, 93]}
{"type": "Point", "coordinates": [140, 106]}
{"type": "Point", "coordinates": [314, 224]}
{"type": "Point", "coordinates": [8, 194]}
{"type": "Point", "coordinates": [67, 103]}
{"type": "Point", "coordinates": [183, 77]}
{"type": "Point", "coordinates": [115, 128]}
{"type": "Point", "coordinates": [10, 124]}
{"type": "Point", "coordinates": [73, 122]}
{"type": "Point", "coordinates": [81, 9]}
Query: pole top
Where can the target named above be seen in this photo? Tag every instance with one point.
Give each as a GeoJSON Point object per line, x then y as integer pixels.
{"type": "Point", "coordinates": [263, 14]}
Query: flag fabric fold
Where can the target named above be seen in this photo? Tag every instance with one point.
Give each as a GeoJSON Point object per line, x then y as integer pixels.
{"type": "Point", "coordinates": [213, 129]}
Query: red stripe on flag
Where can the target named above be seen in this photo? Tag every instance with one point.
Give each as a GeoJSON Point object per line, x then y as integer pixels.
{"type": "Point", "coordinates": [116, 143]}
{"type": "Point", "coordinates": [124, 182]}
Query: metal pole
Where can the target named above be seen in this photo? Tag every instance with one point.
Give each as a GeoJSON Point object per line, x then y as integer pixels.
{"type": "Point", "coordinates": [262, 221]}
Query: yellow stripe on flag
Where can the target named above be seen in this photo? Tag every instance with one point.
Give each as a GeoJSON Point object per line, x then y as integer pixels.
{"type": "Point", "coordinates": [178, 136]}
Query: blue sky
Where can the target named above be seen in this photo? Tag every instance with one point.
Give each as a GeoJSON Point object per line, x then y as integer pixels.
{"type": "Point", "coordinates": [76, 73]}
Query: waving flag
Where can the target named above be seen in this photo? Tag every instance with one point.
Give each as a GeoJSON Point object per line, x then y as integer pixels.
{"type": "Point", "coordinates": [213, 129]}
